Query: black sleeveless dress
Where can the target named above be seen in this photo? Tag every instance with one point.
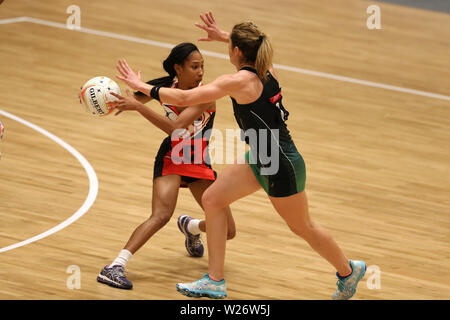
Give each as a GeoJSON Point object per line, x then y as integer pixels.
{"type": "Point", "coordinates": [273, 156]}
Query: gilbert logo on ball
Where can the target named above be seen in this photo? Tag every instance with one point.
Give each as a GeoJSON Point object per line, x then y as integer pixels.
{"type": "Point", "coordinates": [95, 95]}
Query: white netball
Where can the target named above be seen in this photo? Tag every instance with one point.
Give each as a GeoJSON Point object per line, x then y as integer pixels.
{"type": "Point", "coordinates": [95, 95]}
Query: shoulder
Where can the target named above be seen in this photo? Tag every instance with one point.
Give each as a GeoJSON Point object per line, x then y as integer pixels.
{"type": "Point", "coordinates": [226, 79]}
{"type": "Point", "coordinates": [235, 80]}
{"type": "Point", "coordinates": [245, 75]}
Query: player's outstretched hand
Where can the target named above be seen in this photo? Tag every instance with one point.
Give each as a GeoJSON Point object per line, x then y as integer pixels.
{"type": "Point", "coordinates": [213, 30]}
{"type": "Point", "coordinates": [124, 103]}
{"type": "Point", "coordinates": [127, 75]}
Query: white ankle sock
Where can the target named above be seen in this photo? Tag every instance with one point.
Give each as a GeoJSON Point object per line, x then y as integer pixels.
{"type": "Point", "coordinates": [122, 258]}
{"type": "Point", "coordinates": [193, 226]}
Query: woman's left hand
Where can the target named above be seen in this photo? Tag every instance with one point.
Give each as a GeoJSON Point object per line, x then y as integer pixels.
{"type": "Point", "coordinates": [124, 103]}
{"type": "Point", "coordinates": [127, 75]}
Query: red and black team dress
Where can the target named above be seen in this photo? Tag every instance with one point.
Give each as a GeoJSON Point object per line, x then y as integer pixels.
{"type": "Point", "coordinates": [185, 153]}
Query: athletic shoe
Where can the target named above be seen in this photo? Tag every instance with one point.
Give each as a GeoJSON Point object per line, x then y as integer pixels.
{"type": "Point", "coordinates": [205, 287]}
{"type": "Point", "coordinates": [115, 277]}
{"type": "Point", "coordinates": [193, 243]}
{"type": "Point", "coordinates": [346, 287]}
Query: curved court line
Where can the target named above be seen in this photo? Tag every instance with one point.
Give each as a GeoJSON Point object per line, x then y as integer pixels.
{"type": "Point", "coordinates": [93, 184]}
{"type": "Point", "coordinates": [225, 56]}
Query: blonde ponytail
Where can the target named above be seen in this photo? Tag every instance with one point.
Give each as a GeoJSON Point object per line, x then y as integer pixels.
{"type": "Point", "coordinates": [264, 57]}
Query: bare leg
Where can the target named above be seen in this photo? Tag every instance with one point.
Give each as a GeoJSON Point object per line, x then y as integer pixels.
{"type": "Point", "coordinates": [294, 210]}
{"type": "Point", "coordinates": [234, 182]}
{"type": "Point", "coordinates": [165, 194]}
{"type": "Point", "coordinates": [197, 189]}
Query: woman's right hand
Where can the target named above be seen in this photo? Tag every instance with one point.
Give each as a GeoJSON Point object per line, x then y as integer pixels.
{"type": "Point", "coordinates": [214, 32]}
{"type": "Point", "coordinates": [127, 103]}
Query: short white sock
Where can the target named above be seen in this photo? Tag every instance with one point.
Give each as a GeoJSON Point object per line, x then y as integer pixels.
{"type": "Point", "coordinates": [122, 258]}
{"type": "Point", "coordinates": [194, 226]}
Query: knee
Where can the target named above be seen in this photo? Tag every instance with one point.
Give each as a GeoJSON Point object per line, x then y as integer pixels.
{"type": "Point", "coordinates": [211, 201]}
{"type": "Point", "coordinates": [301, 229]}
{"type": "Point", "coordinates": [161, 218]}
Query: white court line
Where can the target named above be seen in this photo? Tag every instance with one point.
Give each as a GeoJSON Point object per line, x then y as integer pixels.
{"type": "Point", "coordinates": [93, 184]}
{"type": "Point", "coordinates": [224, 56]}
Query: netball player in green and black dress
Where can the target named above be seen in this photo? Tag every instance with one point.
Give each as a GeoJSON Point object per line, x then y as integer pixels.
{"type": "Point", "coordinates": [256, 98]}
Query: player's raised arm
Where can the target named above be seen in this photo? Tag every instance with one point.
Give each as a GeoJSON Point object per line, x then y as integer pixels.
{"type": "Point", "coordinates": [212, 29]}
{"type": "Point", "coordinates": [222, 86]}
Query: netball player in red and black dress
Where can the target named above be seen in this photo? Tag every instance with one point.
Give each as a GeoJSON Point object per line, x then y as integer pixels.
{"type": "Point", "coordinates": [175, 165]}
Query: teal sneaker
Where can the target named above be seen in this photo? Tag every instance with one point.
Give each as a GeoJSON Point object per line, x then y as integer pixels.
{"type": "Point", "coordinates": [205, 287]}
{"type": "Point", "coordinates": [346, 287]}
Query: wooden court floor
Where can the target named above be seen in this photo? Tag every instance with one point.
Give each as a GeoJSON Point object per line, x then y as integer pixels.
{"type": "Point", "coordinates": [378, 159]}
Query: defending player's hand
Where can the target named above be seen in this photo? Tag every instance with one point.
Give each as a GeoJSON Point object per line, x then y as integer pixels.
{"type": "Point", "coordinates": [214, 32]}
{"type": "Point", "coordinates": [127, 75]}
{"type": "Point", "coordinates": [124, 103]}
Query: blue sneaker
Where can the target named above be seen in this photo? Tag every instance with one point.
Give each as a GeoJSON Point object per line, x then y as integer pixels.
{"type": "Point", "coordinates": [205, 287]}
{"type": "Point", "coordinates": [115, 277]}
{"type": "Point", "coordinates": [346, 287]}
{"type": "Point", "coordinates": [193, 243]}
